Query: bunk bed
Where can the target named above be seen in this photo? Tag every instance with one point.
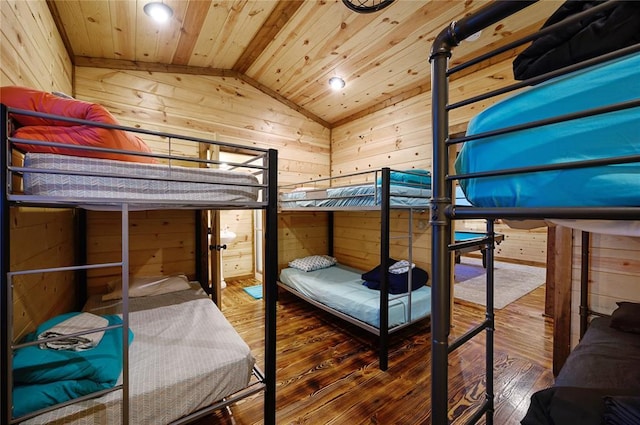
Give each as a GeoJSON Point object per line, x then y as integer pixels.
{"type": "Point", "coordinates": [552, 156]}
{"type": "Point", "coordinates": [380, 303]}
{"type": "Point", "coordinates": [176, 356]}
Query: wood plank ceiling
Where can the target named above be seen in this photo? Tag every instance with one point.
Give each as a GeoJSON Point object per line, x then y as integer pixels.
{"type": "Point", "coordinates": [288, 49]}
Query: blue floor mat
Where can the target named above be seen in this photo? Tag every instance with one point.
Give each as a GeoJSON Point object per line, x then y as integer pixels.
{"type": "Point", "coordinates": [254, 291]}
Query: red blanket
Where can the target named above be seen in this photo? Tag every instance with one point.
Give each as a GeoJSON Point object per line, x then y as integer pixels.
{"type": "Point", "coordinates": [33, 128]}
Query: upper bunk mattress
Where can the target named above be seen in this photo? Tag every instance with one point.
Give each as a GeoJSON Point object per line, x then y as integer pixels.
{"type": "Point", "coordinates": [602, 136]}
{"type": "Point", "coordinates": [342, 289]}
{"type": "Point", "coordinates": [366, 195]}
{"type": "Point", "coordinates": [81, 178]}
{"type": "Point", "coordinates": [185, 355]}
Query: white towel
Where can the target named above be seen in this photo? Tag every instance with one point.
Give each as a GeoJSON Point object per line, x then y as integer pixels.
{"type": "Point", "coordinates": [400, 267]}
{"type": "Point", "coordinates": [79, 323]}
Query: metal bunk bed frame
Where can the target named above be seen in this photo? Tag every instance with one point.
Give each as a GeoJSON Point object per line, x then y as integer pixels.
{"type": "Point", "coordinates": [385, 213]}
{"type": "Point", "coordinates": [266, 380]}
{"type": "Point", "coordinates": [443, 212]}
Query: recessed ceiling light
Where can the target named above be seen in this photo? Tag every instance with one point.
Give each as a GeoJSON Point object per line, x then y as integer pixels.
{"type": "Point", "coordinates": [336, 83]}
{"type": "Point", "coordinates": [160, 12]}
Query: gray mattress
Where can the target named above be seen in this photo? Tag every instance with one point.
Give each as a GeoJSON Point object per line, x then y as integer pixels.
{"type": "Point", "coordinates": [185, 356]}
{"type": "Point", "coordinates": [366, 195]}
{"type": "Point", "coordinates": [63, 176]}
{"type": "Point", "coordinates": [604, 358]}
{"type": "Point", "coordinates": [341, 288]}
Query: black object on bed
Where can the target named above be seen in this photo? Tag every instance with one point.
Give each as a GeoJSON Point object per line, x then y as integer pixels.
{"type": "Point", "coordinates": [600, 378]}
{"type": "Point", "coordinates": [602, 32]}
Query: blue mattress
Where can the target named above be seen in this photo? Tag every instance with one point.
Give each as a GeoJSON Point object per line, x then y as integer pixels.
{"type": "Point", "coordinates": [367, 195]}
{"type": "Point", "coordinates": [342, 289]}
{"type": "Point", "coordinates": [608, 135]}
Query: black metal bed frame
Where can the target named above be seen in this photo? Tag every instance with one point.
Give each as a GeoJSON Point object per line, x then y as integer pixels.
{"type": "Point", "coordinates": [443, 212]}
{"type": "Point", "coordinates": [265, 380]}
{"type": "Point", "coordinates": [383, 205]}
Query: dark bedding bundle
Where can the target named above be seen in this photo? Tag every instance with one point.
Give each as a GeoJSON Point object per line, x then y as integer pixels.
{"type": "Point", "coordinates": [398, 282]}
{"type": "Point", "coordinates": [602, 32]}
{"type": "Point", "coordinates": [584, 406]}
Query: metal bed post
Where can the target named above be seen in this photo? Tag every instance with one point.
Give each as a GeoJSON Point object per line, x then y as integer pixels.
{"type": "Point", "coordinates": [125, 313]}
{"type": "Point", "coordinates": [584, 284]}
{"type": "Point", "coordinates": [383, 354]}
{"type": "Point", "coordinates": [441, 206]}
{"type": "Point", "coordinates": [330, 222]}
{"type": "Point", "coordinates": [271, 289]}
{"type": "Point", "coordinates": [440, 240]}
{"type": "Point", "coordinates": [5, 310]}
{"type": "Point", "coordinates": [490, 326]}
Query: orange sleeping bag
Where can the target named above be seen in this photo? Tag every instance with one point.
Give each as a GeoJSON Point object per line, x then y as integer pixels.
{"type": "Point", "coordinates": [35, 128]}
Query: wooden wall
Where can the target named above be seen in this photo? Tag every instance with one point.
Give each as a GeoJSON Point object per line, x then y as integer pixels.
{"type": "Point", "coordinates": [520, 245]}
{"type": "Point", "coordinates": [32, 51]}
{"type": "Point", "coordinates": [223, 108]}
{"type": "Point", "coordinates": [32, 55]}
{"type": "Point", "coordinates": [614, 274]}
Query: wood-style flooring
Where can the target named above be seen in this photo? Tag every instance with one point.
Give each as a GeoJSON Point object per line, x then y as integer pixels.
{"type": "Point", "coordinates": [327, 370]}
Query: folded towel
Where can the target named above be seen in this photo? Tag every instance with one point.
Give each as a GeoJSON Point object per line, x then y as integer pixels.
{"type": "Point", "coordinates": [400, 267]}
{"type": "Point", "coordinates": [78, 323]}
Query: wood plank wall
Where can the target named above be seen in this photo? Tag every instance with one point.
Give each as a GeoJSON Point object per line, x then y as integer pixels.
{"type": "Point", "coordinates": [614, 274]}
{"type": "Point", "coordinates": [223, 108]}
{"type": "Point", "coordinates": [32, 54]}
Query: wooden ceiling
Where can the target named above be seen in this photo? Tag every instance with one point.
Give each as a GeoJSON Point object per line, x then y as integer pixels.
{"type": "Point", "coordinates": [288, 49]}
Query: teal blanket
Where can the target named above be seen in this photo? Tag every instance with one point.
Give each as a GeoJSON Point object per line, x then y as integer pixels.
{"type": "Point", "coordinates": [45, 377]}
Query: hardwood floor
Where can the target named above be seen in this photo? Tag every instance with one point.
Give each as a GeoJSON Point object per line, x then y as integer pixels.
{"type": "Point", "coordinates": [327, 370]}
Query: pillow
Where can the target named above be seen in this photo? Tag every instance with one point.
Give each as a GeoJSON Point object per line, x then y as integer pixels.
{"type": "Point", "coordinates": [148, 286]}
{"type": "Point", "coordinates": [69, 133]}
{"type": "Point", "coordinates": [626, 317]}
{"type": "Point", "coordinates": [398, 283]}
{"type": "Point", "coordinates": [312, 262]}
{"type": "Point", "coordinates": [414, 177]}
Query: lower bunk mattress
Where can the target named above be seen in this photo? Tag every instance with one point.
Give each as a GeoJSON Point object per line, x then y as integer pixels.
{"type": "Point", "coordinates": [599, 383]}
{"type": "Point", "coordinates": [610, 135]}
{"type": "Point", "coordinates": [185, 356]}
{"type": "Point", "coordinates": [341, 288]}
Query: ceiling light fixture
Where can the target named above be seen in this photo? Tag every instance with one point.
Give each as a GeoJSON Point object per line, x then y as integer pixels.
{"type": "Point", "coordinates": [336, 83]}
{"type": "Point", "coordinates": [160, 12]}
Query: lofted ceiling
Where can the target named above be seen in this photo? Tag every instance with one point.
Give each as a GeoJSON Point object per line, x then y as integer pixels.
{"type": "Point", "coordinates": [288, 49]}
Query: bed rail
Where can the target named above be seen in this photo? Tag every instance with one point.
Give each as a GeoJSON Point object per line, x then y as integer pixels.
{"type": "Point", "coordinates": [184, 175]}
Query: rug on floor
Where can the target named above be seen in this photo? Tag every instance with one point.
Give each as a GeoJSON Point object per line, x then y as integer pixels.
{"type": "Point", "coordinates": [511, 281]}
{"type": "Point", "coordinates": [254, 291]}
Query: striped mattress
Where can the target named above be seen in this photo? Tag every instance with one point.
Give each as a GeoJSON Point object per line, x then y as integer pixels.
{"type": "Point", "coordinates": [78, 178]}
{"type": "Point", "coordinates": [185, 356]}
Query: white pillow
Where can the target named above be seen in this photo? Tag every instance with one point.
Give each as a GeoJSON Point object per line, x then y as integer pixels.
{"type": "Point", "coordinates": [312, 262]}
{"type": "Point", "coordinates": [147, 286]}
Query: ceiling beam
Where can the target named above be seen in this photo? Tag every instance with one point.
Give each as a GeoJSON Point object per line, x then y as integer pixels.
{"type": "Point", "coordinates": [194, 17]}
{"type": "Point", "coordinates": [278, 18]}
